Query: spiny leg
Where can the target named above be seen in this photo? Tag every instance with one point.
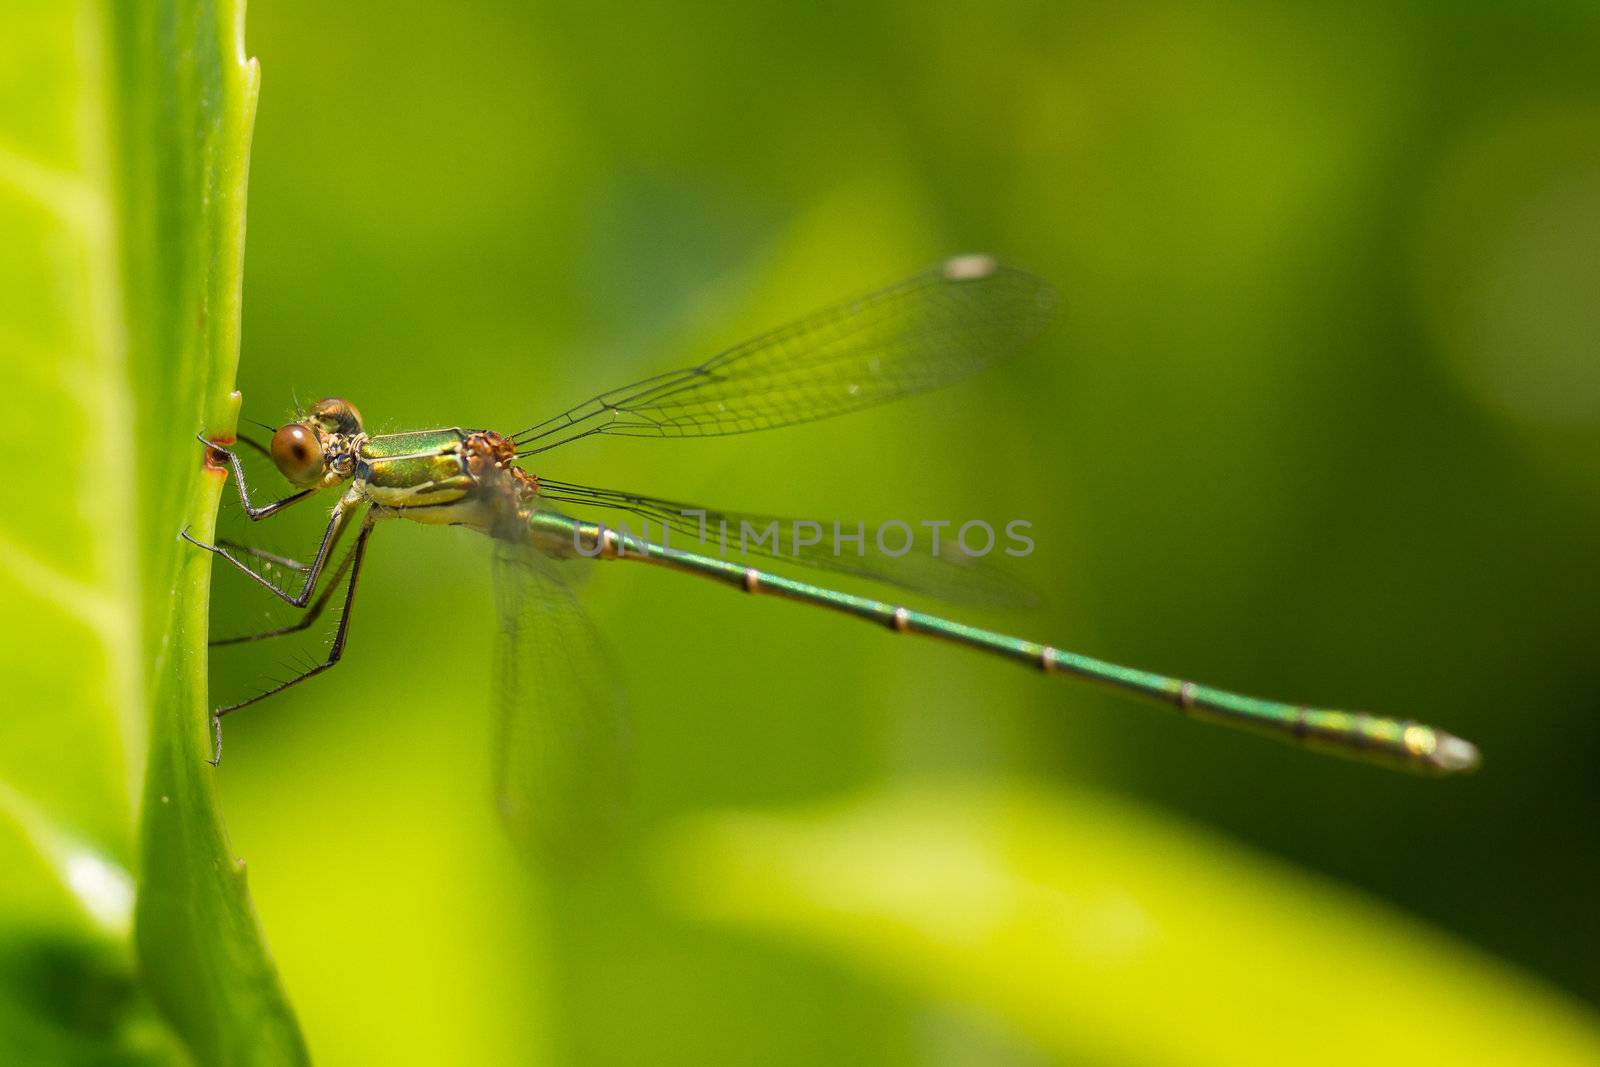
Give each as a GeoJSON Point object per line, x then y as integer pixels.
{"type": "Point", "coordinates": [263, 555]}
{"type": "Point", "coordinates": [335, 650]}
{"type": "Point", "coordinates": [340, 512]}
{"type": "Point", "coordinates": [286, 562]}
{"type": "Point", "coordinates": [251, 510]}
{"type": "Point", "coordinates": [305, 621]}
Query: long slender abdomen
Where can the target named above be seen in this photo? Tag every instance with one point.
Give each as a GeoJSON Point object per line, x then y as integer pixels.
{"type": "Point", "coordinates": [1396, 742]}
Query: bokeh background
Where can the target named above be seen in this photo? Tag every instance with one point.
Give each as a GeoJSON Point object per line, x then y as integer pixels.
{"type": "Point", "coordinates": [1321, 420]}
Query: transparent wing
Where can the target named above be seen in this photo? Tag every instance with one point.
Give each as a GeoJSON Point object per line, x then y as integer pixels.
{"type": "Point", "coordinates": [845, 548]}
{"type": "Point", "coordinates": [927, 331]}
{"type": "Point", "coordinates": [560, 757]}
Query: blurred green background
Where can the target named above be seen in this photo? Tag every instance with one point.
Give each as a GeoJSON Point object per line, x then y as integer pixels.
{"type": "Point", "coordinates": [1321, 421]}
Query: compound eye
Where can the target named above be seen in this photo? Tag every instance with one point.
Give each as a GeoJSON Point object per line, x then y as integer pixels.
{"type": "Point", "coordinates": [298, 453]}
{"type": "Point", "coordinates": [337, 415]}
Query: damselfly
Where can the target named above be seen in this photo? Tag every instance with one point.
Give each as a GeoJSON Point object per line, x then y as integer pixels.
{"type": "Point", "coordinates": [561, 735]}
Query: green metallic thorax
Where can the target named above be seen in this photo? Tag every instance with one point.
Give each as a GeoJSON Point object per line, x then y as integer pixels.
{"type": "Point", "coordinates": [422, 476]}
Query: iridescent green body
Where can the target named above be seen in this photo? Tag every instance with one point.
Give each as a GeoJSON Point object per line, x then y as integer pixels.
{"type": "Point", "coordinates": [423, 474]}
{"type": "Point", "coordinates": [439, 477]}
{"type": "Point", "coordinates": [560, 730]}
{"type": "Point", "coordinates": [469, 477]}
{"type": "Point", "coordinates": [1403, 743]}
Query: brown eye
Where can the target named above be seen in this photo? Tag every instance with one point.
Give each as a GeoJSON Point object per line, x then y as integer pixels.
{"type": "Point", "coordinates": [298, 453]}
{"type": "Point", "coordinates": [339, 416]}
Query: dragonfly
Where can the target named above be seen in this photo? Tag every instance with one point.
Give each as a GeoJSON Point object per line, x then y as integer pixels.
{"type": "Point", "coordinates": [561, 740]}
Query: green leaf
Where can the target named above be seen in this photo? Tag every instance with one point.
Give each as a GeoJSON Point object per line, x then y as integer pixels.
{"type": "Point", "coordinates": [123, 157]}
{"type": "Point", "coordinates": [1101, 931]}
